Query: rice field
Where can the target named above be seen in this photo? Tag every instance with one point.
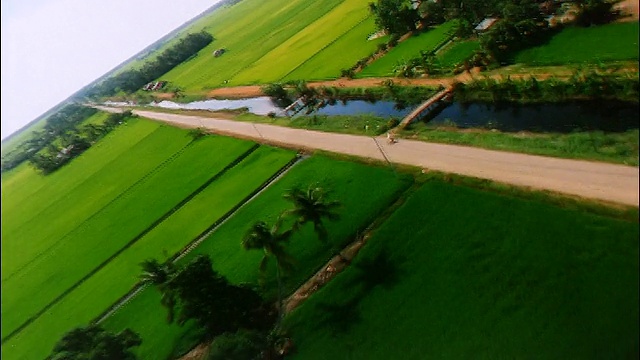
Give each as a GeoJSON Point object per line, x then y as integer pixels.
{"type": "Point", "coordinates": [427, 40]}
{"type": "Point", "coordinates": [343, 53]}
{"type": "Point", "coordinates": [119, 275]}
{"type": "Point", "coordinates": [459, 273]}
{"type": "Point", "coordinates": [71, 256]}
{"type": "Point", "coordinates": [364, 192]}
{"type": "Point", "coordinates": [293, 52]}
{"type": "Point", "coordinates": [457, 52]}
{"type": "Point", "coordinates": [575, 45]}
{"type": "Point", "coordinates": [248, 31]}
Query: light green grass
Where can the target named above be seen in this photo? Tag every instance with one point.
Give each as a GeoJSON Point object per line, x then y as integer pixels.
{"type": "Point", "coordinates": [112, 281]}
{"type": "Point", "coordinates": [248, 31]}
{"type": "Point", "coordinates": [457, 52]}
{"type": "Point", "coordinates": [424, 41]}
{"type": "Point", "coordinates": [341, 54]}
{"type": "Point", "coordinates": [364, 192]}
{"type": "Point", "coordinates": [572, 45]}
{"type": "Point", "coordinates": [458, 273]}
{"type": "Point", "coordinates": [297, 49]}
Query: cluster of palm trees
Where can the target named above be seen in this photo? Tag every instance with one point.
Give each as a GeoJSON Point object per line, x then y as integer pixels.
{"type": "Point", "coordinates": [309, 206]}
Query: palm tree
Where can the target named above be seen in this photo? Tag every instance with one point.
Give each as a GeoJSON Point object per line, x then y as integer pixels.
{"type": "Point", "coordinates": [271, 241]}
{"type": "Point", "coordinates": [160, 275]}
{"type": "Point", "coordinates": [311, 206]}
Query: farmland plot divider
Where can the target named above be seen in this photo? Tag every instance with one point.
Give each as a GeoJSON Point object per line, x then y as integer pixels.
{"type": "Point", "coordinates": [200, 238]}
{"type": "Point", "coordinates": [131, 242]}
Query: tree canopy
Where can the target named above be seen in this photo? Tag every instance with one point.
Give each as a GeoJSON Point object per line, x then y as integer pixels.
{"type": "Point", "coordinates": [95, 343]}
{"type": "Point", "coordinates": [395, 16]}
{"type": "Point", "coordinates": [216, 305]}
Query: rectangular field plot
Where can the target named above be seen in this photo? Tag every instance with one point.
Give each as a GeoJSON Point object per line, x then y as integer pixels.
{"type": "Point", "coordinates": [298, 48]}
{"type": "Point", "coordinates": [457, 52]}
{"type": "Point", "coordinates": [248, 30]}
{"type": "Point", "coordinates": [458, 273]}
{"type": "Point", "coordinates": [609, 42]}
{"type": "Point", "coordinates": [427, 40]}
{"type": "Point", "coordinates": [107, 285]}
{"type": "Point", "coordinates": [341, 54]}
{"type": "Point", "coordinates": [72, 256]}
{"type": "Point", "coordinates": [364, 192]}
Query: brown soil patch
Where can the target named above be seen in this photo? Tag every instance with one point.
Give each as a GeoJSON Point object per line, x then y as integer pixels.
{"type": "Point", "coordinates": [200, 352]}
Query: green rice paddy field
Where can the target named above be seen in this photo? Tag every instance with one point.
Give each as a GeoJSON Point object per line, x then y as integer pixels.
{"type": "Point", "coordinates": [340, 54]}
{"type": "Point", "coordinates": [364, 192]}
{"type": "Point", "coordinates": [459, 273]}
{"type": "Point", "coordinates": [140, 213]}
{"type": "Point", "coordinates": [618, 41]}
{"type": "Point", "coordinates": [68, 257]}
{"type": "Point", "coordinates": [424, 41]}
{"type": "Point", "coordinates": [457, 52]}
{"type": "Point", "coordinates": [268, 41]}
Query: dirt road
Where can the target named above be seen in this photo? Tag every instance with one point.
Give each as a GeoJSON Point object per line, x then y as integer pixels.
{"type": "Point", "coordinates": [254, 90]}
{"type": "Point", "coordinates": [593, 180]}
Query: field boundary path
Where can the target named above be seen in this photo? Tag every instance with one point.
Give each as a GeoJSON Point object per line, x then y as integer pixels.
{"type": "Point", "coordinates": [592, 180]}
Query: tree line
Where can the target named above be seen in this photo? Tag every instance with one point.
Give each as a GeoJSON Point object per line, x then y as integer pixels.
{"type": "Point", "coordinates": [521, 23]}
{"type": "Point", "coordinates": [56, 125]}
{"type": "Point", "coordinates": [74, 142]}
{"type": "Point", "coordinates": [132, 80]}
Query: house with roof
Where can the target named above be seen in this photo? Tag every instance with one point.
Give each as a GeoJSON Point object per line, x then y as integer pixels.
{"type": "Point", "coordinates": [485, 25]}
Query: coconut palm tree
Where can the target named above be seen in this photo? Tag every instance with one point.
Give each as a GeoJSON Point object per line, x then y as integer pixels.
{"type": "Point", "coordinates": [160, 275]}
{"type": "Point", "coordinates": [312, 206]}
{"type": "Point", "coordinates": [272, 241]}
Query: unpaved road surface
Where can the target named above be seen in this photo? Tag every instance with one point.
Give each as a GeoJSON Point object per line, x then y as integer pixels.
{"type": "Point", "coordinates": [592, 180]}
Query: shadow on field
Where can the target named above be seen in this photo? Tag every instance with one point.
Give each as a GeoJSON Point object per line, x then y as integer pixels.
{"type": "Point", "coordinates": [369, 273]}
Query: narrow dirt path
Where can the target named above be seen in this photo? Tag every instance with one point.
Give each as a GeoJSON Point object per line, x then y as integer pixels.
{"type": "Point", "coordinates": [254, 90]}
{"type": "Point", "coordinates": [591, 180]}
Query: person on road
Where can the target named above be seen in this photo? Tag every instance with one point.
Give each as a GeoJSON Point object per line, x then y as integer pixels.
{"type": "Point", "coordinates": [391, 137]}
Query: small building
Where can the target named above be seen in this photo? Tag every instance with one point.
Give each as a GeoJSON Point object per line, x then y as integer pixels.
{"type": "Point", "coordinates": [218, 52]}
{"type": "Point", "coordinates": [485, 25]}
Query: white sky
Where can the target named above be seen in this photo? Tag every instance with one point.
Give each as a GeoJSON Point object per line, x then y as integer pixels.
{"type": "Point", "coordinates": [53, 48]}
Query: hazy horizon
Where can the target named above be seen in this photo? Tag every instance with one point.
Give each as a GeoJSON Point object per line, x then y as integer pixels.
{"type": "Point", "coordinates": [53, 48]}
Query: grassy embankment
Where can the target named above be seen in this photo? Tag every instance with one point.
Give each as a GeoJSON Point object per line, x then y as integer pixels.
{"type": "Point", "coordinates": [364, 192]}
{"type": "Point", "coordinates": [457, 272]}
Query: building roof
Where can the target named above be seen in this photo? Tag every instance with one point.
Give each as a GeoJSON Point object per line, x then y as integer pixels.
{"type": "Point", "coordinates": [485, 24]}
